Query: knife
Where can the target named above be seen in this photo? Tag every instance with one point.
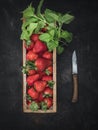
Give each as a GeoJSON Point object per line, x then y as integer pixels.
{"type": "Point", "coordinates": [75, 77]}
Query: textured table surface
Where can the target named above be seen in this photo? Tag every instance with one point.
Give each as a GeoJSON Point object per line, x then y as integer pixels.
{"type": "Point", "coordinates": [80, 116]}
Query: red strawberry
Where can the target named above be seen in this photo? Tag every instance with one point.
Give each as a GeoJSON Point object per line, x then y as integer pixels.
{"type": "Point", "coordinates": [40, 54]}
{"type": "Point", "coordinates": [41, 97]}
{"type": "Point", "coordinates": [31, 56]}
{"type": "Point", "coordinates": [33, 93]}
{"type": "Point", "coordinates": [29, 68]}
{"type": "Point", "coordinates": [47, 78]}
{"type": "Point", "coordinates": [48, 102]}
{"type": "Point", "coordinates": [49, 70]}
{"type": "Point", "coordinates": [35, 37]}
{"type": "Point", "coordinates": [39, 47]}
{"type": "Point", "coordinates": [48, 92]}
{"type": "Point", "coordinates": [29, 47]}
{"type": "Point", "coordinates": [41, 74]}
{"type": "Point", "coordinates": [40, 85]}
{"type": "Point", "coordinates": [31, 72]}
{"type": "Point", "coordinates": [42, 64]}
{"type": "Point", "coordinates": [30, 79]}
{"type": "Point", "coordinates": [48, 55]}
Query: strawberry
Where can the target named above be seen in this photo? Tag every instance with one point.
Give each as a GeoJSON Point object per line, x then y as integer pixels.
{"type": "Point", "coordinates": [48, 55]}
{"type": "Point", "coordinates": [40, 85]}
{"type": "Point", "coordinates": [40, 54]}
{"type": "Point", "coordinates": [48, 92]}
{"type": "Point", "coordinates": [49, 70]}
{"type": "Point", "coordinates": [46, 103]}
{"type": "Point", "coordinates": [30, 79]}
{"type": "Point", "coordinates": [31, 72]}
{"type": "Point", "coordinates": [31, 56]}
{"type": "Point", "coordinates": [41, 74]}
{"type": "Point", "coordinates": [39, 47]}
{"type": "Point", "coordinates": [34, 37]}
{"type": "Point", "coordinates": [42, 64]}
{"type": "Point", "coordinates": [29, 47]}
{"type": "Point", "coordinates": [33, 93]}
{"type": "Point", "coordinates": [41, 97]}
{"type": "Point", "coordinates": [47, 78]}
{"type": "Point", "coordinates": [29, 68]}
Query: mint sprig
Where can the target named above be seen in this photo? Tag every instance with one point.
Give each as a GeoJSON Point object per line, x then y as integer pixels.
{"type": "Point", "coordinates": [35, 21]}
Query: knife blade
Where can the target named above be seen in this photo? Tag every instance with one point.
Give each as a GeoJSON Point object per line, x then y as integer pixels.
{"type": "Point", "coordinates": [75, 77]}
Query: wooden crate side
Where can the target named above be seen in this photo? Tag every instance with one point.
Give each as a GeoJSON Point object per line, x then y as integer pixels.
{"type": "Point", "coordinates": [55, 85]}
{"type": "Point", "coordinates": [24, 79]}
{"type": "Point", "coordinates": [25, 107]}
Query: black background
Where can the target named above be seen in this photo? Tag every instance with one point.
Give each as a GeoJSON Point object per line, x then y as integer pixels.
{"type": "Point", "coordinates": [80, 116]}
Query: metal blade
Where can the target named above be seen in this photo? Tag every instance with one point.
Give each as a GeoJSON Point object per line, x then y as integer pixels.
{"type": "Point", "coordinates": [74, 63]}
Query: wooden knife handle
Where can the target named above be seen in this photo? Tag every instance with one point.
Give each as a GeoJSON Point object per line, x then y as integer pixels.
{"type": "Point", "coordinates": [75, 88]}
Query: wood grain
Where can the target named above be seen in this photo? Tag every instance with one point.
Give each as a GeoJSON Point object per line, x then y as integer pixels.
{"type": "Point", "coordinates": [75, 88]}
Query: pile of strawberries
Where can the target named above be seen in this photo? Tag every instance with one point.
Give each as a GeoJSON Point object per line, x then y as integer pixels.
{"type": "Point", "coordinates": [39, 75]}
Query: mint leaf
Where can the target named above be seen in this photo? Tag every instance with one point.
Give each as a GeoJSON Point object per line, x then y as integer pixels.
{"type": "Point", "coordinates": [67, 18]}
{"type": "Point", "coordinates": [28, 12]}
{"type": "Point", "coordinates": [25, 35]}
{"type": "Point", "coordinates": [51, 32]}
{"type": "Point", "coordinates": [60, 49]}
{"type": "Point", "coordinates": [48, 16]}
{"type": "Point", "coordinates": [39, 26]}
{"type": "Point", "coordinates": [45, 37]}
{"type": "Point", "coordinates": [52, 45]}
{"type": "Point", "coordinates": [31, 28]}
{"type": "Point", "coordinates": [67, 36]}
{"type": "Point", "coordinates": [53, 15]}
{"type": "Point", "coordinates": [30, 20]}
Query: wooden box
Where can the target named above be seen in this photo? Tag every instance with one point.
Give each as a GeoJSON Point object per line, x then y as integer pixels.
{"type": "Point", "coordinates": [26, 109]}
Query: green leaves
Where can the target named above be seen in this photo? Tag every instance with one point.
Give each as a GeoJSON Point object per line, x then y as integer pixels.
{"type": "Point", "coordinates": [31, 27]}
{"type": "Point", "coordinates": [28, 12]}
{"type": "Point", "coordinates": [60, 49]}
{"type": "Point", "coordinates": [52, 21]}
{"type": "Point", "coordinates": [39, 26]}
{"type": "Point", "coordinates": [67, 36]}
{"type": "Point", "coordinates": [45, 37]}
{"type": "Point", "coordinates": [52, 44]}
{"type": "Point", "coordinates": [50, 16]}
{"type": "Point", "coordinates": [49, 39]}
{"type": "Point", "coordinates": [27, 31]}
{"type": "Point", "coordinates": [39, 7]}
{"type": "Point", "coordinates": [67, 18]}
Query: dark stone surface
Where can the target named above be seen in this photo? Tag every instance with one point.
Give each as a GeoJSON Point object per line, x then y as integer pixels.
{"type": "Point", "coordinates": [80, 116]}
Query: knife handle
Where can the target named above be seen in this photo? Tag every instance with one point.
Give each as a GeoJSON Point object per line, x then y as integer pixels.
{"type": "Point", "coordinates": [75, 88]}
